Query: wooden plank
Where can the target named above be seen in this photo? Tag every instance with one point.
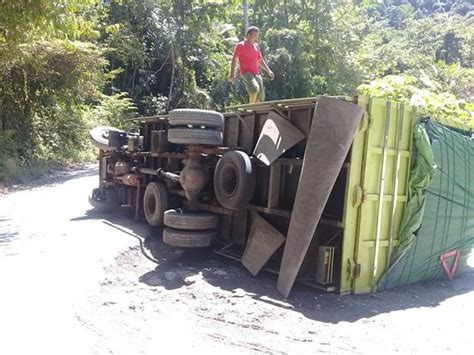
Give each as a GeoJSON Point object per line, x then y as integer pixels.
{"type": "Point", "coordinates": [287, 102]}
{"type": "Point", "coordinates": [239, 228]}
{"type": "Point", "coordinates": [274, 186]}
{"type": "Point", "coordinates": [333, 128]}
{"type": "Point", "coordinates": [301, 118]}
{"type": "Point", "coordinates": [273, 211]}
{"type": "Point", "coordinates": [246, 132]}
{"type": "Point", "coordinates": [231, 132]}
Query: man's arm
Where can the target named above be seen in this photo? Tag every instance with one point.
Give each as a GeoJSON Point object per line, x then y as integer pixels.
{"type": "Point", "coordinates": [232, 68]}
{"type": "Point", "coordinates": [263, 64]}
{"type": "Point", "coordinates": [235, 55]}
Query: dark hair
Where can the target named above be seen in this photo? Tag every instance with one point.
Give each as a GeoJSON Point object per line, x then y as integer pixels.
{"type": "Point", "coordinates": [252, 29]}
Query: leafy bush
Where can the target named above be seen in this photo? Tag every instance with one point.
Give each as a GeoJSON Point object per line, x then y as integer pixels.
{"type": "Point", "coordinates": [113, 110]}
{"type": "Point", "coordinates": [42, 92]}
{"type": "Point", "coordinates": [443, 107]}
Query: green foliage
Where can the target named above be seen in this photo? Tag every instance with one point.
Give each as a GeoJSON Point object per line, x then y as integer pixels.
{"type": "Point", "coordinates": [41, 88]}
{"type": "Point", "coordinates": [8, 160]}
{"type": "Point", "coordinates": [165, 49]}
{"type": "Point", "coordinates": [391, 87]}
{"type": "Point", "coordinates": [45, 79]}
{"type": "Point", "coordinates": [26, 21]}
{"type": "Point", "coordinates": [67, 65]}
{"type": "Point", "coordinates": [438, 47]}
{"type": "Point", "coordinates": [442, 107]}
{"type": "Point", "coordinates": [113, 110]}
{"type": "Point", "coordinates": [174, 49]}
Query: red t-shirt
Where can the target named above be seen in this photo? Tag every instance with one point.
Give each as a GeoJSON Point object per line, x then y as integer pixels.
{"type": "Point", "coordinates": [249, 56]}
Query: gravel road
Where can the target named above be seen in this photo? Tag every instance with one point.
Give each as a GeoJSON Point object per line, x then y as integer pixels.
{"type": "Point", "coordinates": [71, 284]}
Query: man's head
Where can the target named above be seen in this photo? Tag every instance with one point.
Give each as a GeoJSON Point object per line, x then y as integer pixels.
{"type": "Point", "coordinates": [252, 34]}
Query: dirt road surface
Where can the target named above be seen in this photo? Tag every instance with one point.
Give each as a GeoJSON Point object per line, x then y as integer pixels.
{"type": "Point", "coordinates": [71, 284]}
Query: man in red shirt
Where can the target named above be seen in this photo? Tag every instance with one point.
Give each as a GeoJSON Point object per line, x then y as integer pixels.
{"type": "Point", "coordinates": [251, 60]}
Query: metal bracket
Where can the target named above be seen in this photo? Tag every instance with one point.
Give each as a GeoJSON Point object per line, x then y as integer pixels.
{"type": "Point", "coordinates": [366, 122]}
{"type": "Point", "coordinates": [359, 196]}
{"type": "Point", "coordinates": [353, 269]}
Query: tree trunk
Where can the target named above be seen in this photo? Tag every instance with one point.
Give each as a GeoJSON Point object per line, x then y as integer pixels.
{"type": "Point", "coordinates": [172, 77]}
{"type": "Point", "coordinates": [1, 114]}
{"type": "Point", "coordinates": [245, 4]}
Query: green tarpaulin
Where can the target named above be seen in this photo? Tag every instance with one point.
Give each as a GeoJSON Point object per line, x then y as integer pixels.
{"type": "Point", "coordinates": [439, 215]}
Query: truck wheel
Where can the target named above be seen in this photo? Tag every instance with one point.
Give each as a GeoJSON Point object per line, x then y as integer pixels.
{"type": "Point", "coordinates": [100, 137]}
{"type": "Point", "coordinates": [196, 136]}
{"type": "Point", "coordinates": [190, 220]}
{"type": "Point", "coordinates": [194, 117]}
{"type": "Point", "coordinates": [234, 180]}
{"type": "Point", "coordinates": [155, 203]}
{"type": "Point", "coordinates": [105, 201]}
{"type": "Point", "coordinates": [188, 239]}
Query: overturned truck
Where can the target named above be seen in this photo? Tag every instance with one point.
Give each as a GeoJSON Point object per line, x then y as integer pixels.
{"type": "Point", "coordinates": [347, 195]}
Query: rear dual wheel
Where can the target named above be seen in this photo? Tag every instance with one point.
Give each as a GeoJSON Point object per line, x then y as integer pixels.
{"type": "Point", "coordinates": [178, 219]}
{"type": "Point", "coordinates": [189, 229]}
{"type": "Point", "coordinates": [196, 118]}
{"type": "Point", "coordinates": [195, 127]}
{"type": "Point", "coordinates": [188, 239]}
{"type": "Point", "coordinates": [195, 136]}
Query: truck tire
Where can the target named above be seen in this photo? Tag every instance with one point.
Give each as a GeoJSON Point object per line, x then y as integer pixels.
{"type": "Point", "coordinates": [155, 203]}
{"type": "Point", "coordinates": [105, 201]}
{"type": "Point", "coordinates": [234, 180]}
{"type": "Point", "coordinates": [195, 136]}
{"type": "Point", "coordinates": [190, 220]}
{"type": "Point", "coordinates": [100, 137]}
{"type": "Point", "coordinates": [195, 117]}
{"type": "Point", "coordinates": [188, 239]}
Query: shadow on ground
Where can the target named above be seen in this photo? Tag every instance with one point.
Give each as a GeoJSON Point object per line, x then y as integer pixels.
{"type": "Point", "coordinates": [176, 266]}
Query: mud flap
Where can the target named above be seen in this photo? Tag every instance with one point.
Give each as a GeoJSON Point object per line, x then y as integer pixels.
{"type": "Point", "coordinates": [334, 126]}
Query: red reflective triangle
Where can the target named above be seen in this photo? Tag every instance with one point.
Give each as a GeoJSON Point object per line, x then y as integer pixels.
{"type": "Point", "coordinates": [450, 271]}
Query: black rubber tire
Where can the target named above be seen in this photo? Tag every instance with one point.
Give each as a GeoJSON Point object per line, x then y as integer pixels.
{"type": "Point", "coordinates": [190, 220]}
{"type": "Point", "coordinates": [234, 180]}
{"type": "Point", "coordinates": [197, 136]}
{"type": "Point", "coordinates": [105, 201]}
{"type": "Point", "coordinates": [195, 117]}
{"type": "Point", "coordinates": [99, 137]}
{"type": "Point", "coordinates": [188, 239]}
{"type": "Point", "coordinates": [155, 203]}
